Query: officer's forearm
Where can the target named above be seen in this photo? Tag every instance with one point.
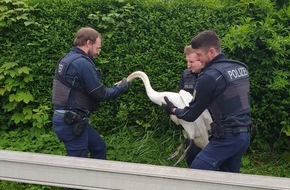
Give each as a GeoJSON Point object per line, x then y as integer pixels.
{"type": "Point", "coordinates": [186, 114]}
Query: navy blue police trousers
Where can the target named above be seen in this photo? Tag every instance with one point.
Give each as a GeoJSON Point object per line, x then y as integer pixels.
{"type": "Point", "coordinates": [223, 154]}
{"type": "Point", "coordinates": [88, 144]}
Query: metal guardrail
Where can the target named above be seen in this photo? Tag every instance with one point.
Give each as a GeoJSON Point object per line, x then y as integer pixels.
{"type": "Point", "coordinates": [83, 173]}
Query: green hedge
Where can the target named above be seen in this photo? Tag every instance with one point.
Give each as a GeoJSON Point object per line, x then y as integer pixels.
{"type": "Point", "coordinates": [149, 36]}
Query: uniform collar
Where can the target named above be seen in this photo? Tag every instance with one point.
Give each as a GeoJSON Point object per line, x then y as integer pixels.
{"type": "Point", "coordinates": [215, 59]}
{"type": "Point", "coordinates": [78, 50]}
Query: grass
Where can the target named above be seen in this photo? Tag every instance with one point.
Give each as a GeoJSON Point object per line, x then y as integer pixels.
{"type": "Point", "coordinates": [134, 144]}
{"type": "Point", "coordinates": [267, 163]}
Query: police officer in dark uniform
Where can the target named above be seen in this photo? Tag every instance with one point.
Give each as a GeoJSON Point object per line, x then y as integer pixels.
{"type": "Point", "coordinates": [187, 82]}
{"type": "Point", "coordinates": [77, 92]}
{"type": "Point", "coordinates": [223, 88]}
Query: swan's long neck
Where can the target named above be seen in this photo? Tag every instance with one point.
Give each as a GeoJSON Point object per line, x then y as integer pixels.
{"type": "Point", "coordinates": [154, 96]}
{"type": "Point", "coordinates": [139, 74]}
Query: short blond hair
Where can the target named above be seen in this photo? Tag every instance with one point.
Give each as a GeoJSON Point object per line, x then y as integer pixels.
{"type": "Point", "coordinates": [188, 50]}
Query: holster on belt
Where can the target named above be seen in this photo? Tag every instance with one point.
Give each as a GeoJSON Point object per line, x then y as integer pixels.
{"type": "Point", "coordinates": [78, 123]}
{"type": "Point", "coordinates": [216, 131]}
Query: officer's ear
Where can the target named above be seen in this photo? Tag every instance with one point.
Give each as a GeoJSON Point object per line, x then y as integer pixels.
{"type": "Point", "coordinates": [212, 52]}
{"type": "Point", "coordinates": [88, 43]}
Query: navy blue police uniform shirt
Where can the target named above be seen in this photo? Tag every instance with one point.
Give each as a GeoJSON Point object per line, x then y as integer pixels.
{"type": "Point", "coordinates": [91, 78]}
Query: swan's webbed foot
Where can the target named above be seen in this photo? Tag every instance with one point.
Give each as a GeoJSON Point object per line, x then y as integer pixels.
{"type": "Point", "coordinates": [184, 153]}
{"type": "Point", "coordinates": [174, 154]}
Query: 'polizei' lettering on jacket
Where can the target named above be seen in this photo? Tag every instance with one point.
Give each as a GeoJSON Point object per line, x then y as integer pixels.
{"type": "Point", "coordinates": [237, 73]}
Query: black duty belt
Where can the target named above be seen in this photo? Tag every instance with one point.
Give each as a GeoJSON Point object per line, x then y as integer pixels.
{"type": "Point", "coordinates": [244, 129]}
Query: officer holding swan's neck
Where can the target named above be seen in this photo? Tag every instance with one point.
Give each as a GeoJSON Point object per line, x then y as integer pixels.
{"type": "Point", "coordinates": [77, 92]}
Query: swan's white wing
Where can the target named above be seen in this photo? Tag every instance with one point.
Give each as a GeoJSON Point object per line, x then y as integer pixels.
{"type": "Point", "coordinates": [186, 97]}
{"type": "Point", "coordinates": [173, 97]}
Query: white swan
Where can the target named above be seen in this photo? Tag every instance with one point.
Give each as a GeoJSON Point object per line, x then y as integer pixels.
{"type": "Point", "coordinates": [195, 131]}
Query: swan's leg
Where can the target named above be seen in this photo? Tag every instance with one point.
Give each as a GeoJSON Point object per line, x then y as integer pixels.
{"type": "Point", "coordinates": [184, 153]}
{"type": "Point", "coordinates": [173, 155]}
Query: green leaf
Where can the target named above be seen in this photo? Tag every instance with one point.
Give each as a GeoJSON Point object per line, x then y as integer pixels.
{"type": "Point", "coordinates": [28, 78]}
{"type": "Point", "coordinates": [3, 8]}
{"type": "Point", "coordinates": [2, 23]}
{"type": "Point", "coordinates": [2, 91]}
{"type": "Point", "coordinates": [24, 96]}
{"type": "Point", "coordinates": [17, 118]}
{"type": "Point", "coordinates": [10, 106]}
{"type": "Point", "coordinates": [23, 70]}
{"type": "Point", "coordinates": [9, 65]}
{"type": "Point", "coordinates": [27, 23]}
{"type": "Point", "coordinates": [12, 73]}
{"type": "Point", "coordinates": [24, 17]}
{"type": "Point", "coordinates": [28, 113]}
{"type": "Point", "coordinates": [12, 97]}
